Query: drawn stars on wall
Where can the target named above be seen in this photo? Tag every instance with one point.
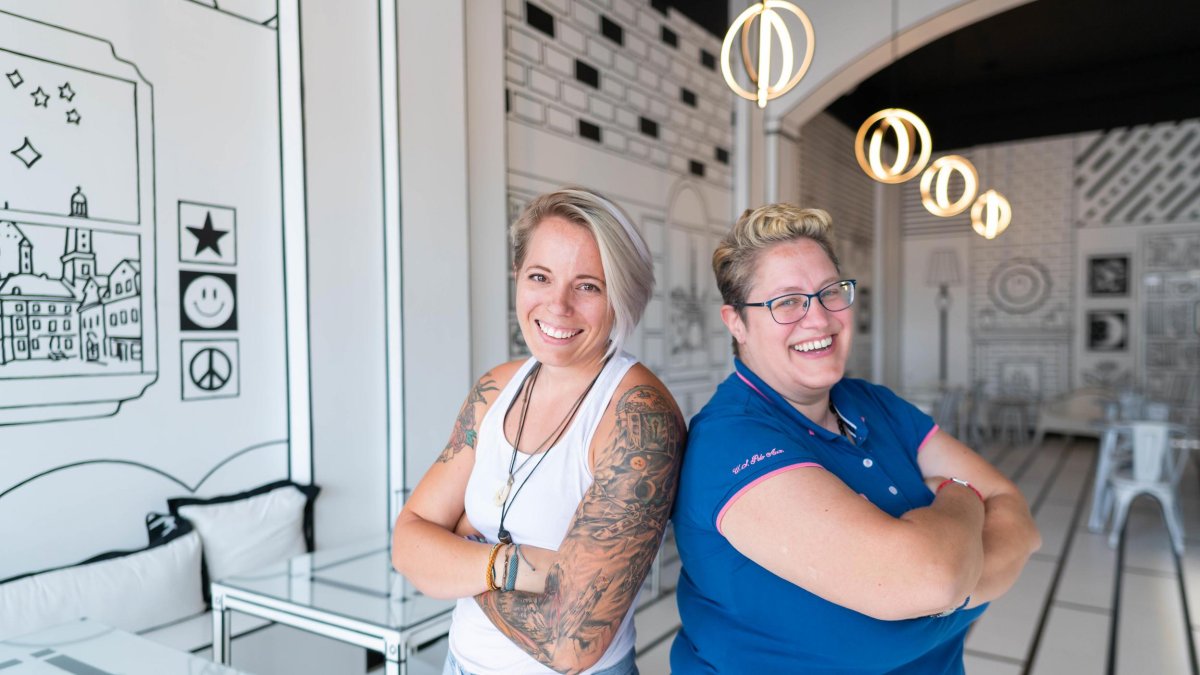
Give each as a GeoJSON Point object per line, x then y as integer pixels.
{"type": "Point", "coordinates": [73, 117]}
{"type": "Point", "coordinates": [14, 78]}
{"type": "Point", "coordinates": [27, 154]}
{"type": "Point", "coordinates": [65, 92]}
{"type": "Point", "coordinates": [40, 98]}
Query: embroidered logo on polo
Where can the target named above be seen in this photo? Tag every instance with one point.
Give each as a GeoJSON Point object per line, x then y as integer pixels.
{"type": "Point", "coordinates": [755, 459]}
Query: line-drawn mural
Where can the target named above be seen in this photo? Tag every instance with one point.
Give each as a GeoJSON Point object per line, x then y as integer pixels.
{"type": "Point", "coordinates": [135, 138]}
{"type": "Point", "coordinates": [77, 228]}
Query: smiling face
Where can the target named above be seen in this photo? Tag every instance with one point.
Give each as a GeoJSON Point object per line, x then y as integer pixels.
{"type": "Point", "coordinates": [208, 301]}
{"type": "Point", "coordinates": [562, 304]}
{"type": "Point", "coordinates": [803, 360]}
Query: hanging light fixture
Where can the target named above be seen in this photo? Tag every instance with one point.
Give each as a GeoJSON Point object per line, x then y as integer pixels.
{"type": "Point", "coordinates": [770, 24]}
{"type": "Point", "coordinates": [910, 131]}
{"type": "Point", "coordinates": [936, 198]}
{"type": "Point", "coordinates": [991, 214]}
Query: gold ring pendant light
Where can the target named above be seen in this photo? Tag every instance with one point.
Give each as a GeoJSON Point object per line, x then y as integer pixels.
{"type": "Point", "coordinates": [913, 143]}
{"type": "Point", "coordinates": [770, 24]}
{"type": "Point", "coordinates": [936, 198]}
{"type": "Point", "coordinates": [910, 133]}
{"type": "Point", "coordinates": [991, 214]}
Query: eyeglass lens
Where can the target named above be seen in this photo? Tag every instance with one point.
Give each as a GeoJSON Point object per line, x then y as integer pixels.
{"type": "Point", "coordinates": [834, 297]}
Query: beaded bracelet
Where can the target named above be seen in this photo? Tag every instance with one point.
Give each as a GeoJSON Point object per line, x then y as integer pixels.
{"type": "Point", "coordinates": [510, 573]}
{"type": "Point", "coordinates": [490, 573]}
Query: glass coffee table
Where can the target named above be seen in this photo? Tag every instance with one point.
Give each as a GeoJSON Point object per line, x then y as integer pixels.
{"type": "Point", "coordinates": [350, 593]}
{"type": "Point", "coordinates": [90, 648]}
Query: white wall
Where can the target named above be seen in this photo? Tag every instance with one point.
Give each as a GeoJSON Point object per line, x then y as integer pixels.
{"type": "Point", "coordinates": [346, 261]}
{"type": "Point", "coordinates": [435, 247]}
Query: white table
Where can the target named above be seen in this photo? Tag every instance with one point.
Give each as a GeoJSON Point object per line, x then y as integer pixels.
{"type": "Point", "coordinates": [351, 594]}
{"type": "Point", "coordinates": [91, 648]}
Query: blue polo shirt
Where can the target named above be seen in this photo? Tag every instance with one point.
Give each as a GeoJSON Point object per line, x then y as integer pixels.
{"type": "Point", "coordinates": [740, 618]}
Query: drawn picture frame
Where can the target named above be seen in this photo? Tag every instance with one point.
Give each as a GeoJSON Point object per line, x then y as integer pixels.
{"type": "Point", "coordinates": [1108, 276]}
{"type": "Point", "coordinates": [1108, 330]}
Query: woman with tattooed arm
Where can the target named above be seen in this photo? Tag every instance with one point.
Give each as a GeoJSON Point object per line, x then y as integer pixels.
{"type": "Point", "coordinates": [561, 468]}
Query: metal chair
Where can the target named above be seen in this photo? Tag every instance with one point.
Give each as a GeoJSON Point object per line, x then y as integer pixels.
{"type": "Point", "coordinates": [1158, 463]}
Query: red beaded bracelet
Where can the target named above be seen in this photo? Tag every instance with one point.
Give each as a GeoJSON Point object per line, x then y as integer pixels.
{"type": "Point", "coordinates": [962, 483]}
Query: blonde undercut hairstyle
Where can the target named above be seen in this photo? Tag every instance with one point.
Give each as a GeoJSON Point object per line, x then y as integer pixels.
{"type": "Point", "coordinates": [757, 230]}
{"type": "Point", "coordinates": [628, 267]}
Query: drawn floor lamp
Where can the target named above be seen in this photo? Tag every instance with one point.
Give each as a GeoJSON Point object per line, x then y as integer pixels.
{"type": "Point", "coordinates": [943, 273]}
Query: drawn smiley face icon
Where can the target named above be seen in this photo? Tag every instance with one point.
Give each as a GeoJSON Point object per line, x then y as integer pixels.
{"type": "Point", "coordinates": [208, 301]}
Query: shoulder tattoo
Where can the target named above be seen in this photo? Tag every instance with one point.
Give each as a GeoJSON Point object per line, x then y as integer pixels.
{"type": "Point", "coordinates": [465, 433]}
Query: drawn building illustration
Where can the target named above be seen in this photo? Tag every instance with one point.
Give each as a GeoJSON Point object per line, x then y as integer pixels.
{"type": "Point", "coordinates": [77, 227]}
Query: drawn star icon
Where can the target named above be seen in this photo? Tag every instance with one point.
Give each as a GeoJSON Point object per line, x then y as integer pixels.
{"type": "Point", "coordinates": [40, 98]}
{"type": "Point", "coordinates": [27, 154]}
{"type": "Point", "coordinates": [14, 78]}
{"type": "Point", "coordinates": [207, 236]}
{"type": "Point", "coordinates": [73, 117]}
{"type": "Point", "coordinates": [65, 92]}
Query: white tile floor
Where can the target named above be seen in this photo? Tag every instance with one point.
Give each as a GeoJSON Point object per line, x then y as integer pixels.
{"type": "Point", "coordinates": [1079, 608]}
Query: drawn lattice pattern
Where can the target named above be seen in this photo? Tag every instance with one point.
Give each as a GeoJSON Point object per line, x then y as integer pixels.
{"type": "Point", "coordinates": [1139, 175]}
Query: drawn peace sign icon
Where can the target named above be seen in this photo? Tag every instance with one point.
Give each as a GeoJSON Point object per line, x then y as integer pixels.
{"type": "Point", "coordinates": [210, 369]}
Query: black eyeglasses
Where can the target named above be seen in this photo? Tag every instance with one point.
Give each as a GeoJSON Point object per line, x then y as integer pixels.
{"type": "Point", "coordinates": [792, 307]}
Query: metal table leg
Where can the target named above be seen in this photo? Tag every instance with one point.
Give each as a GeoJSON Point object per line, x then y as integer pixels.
{"type": "Point", "coordinates": [221, 630]}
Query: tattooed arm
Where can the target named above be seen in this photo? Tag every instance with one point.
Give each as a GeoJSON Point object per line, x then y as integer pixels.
{"type": "Point", "coordinates": [425, 547]}
{"type": "Point", "coordinates": [612, 540]}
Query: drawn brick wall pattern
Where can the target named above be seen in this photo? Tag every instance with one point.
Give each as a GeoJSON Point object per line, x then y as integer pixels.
{"type": "Point", "coordinates": [1147, 175]}
{"type": "Point", "coordinates": [1139, 175]}
{"type": "Point", "coordinates": [831, 179]}
{"type": "Point", "coordinates": [618, 83]}
{"type": "Point", "coordinates": [640, 97]}
{"type": "Point", "coordinates": [1037, 248]}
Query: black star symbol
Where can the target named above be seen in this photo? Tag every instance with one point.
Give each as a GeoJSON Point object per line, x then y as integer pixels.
{"type": "Point", "coordinates": [40, 98]}
{"type": "Point", "coordinates": [73, 117]}
{"type": "Point", "coordinates": [207, 237]}
{"type": "Point", "coordinates": [66, 92]}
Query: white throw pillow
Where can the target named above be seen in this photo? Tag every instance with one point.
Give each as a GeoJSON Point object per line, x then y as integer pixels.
{"type": "Point", "coordinates": [131, 590]}
{"type": "Point", "coordinates": [245, 532]}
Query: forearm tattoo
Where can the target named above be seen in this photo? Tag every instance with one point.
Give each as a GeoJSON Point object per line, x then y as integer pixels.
{"type": "Point", "coordinates": [611, 543]}
{"type": "Point", "coordinates": [465, 434]}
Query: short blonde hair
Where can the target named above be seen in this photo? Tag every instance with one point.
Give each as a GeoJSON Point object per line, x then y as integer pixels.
{"type": "Point", "coordinates": [628, 266]}
{"type": "Point", "coordinates": [736, 257]}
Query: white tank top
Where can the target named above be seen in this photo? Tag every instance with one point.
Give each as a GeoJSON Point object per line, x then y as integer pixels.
{"type": "Point", "coordinates": [540, 516]}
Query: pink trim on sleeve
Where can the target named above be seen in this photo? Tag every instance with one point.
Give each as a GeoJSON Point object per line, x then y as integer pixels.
{"type": "Point", "coordinates": [756, 481]}
{"type": "Point", "coordinates": [928, 436]}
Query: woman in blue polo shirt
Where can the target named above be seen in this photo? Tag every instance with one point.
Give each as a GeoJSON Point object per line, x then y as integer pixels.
{"type": "Point", "coordinates": [826, 525]}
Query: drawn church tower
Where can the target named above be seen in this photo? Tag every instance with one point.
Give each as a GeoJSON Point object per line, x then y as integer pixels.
{"type": "Point", "coordinates": [79, 263]}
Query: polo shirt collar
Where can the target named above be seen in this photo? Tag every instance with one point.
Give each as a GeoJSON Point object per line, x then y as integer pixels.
{"type": "Point", "coordinates": [845, 403]}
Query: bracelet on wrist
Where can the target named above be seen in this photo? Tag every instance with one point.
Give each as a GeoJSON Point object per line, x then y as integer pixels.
{"type": "Point", "coordinates": [489, 573]}
{"type": "Point", "coordinates": [510, 570]}
{"type": "Point", "coordinates": [963, 483]}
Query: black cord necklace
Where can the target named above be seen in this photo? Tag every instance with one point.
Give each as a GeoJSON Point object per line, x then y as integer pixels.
{"type": "Point", "coordinates": [505, 503]}
{"type": "Point", "coordinates": [840, 424]}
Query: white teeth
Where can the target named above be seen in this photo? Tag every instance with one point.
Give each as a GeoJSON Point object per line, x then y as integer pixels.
{"type": "Point", "coordinates": [813, 344]}
{"type": "Point", "coordinates": [557, 333]}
